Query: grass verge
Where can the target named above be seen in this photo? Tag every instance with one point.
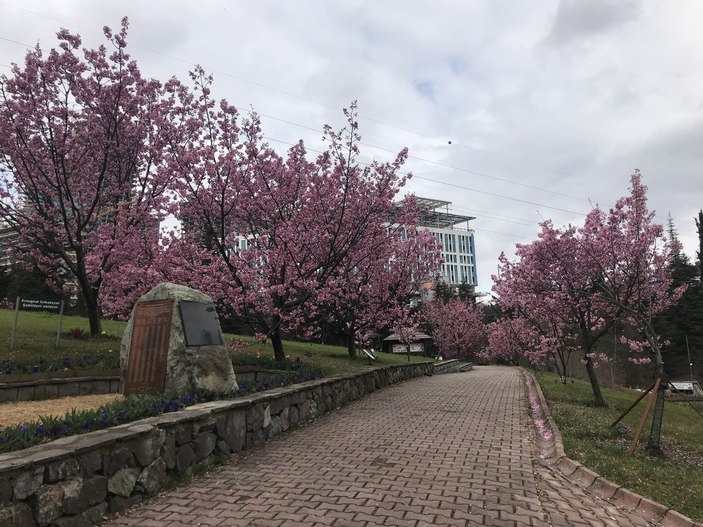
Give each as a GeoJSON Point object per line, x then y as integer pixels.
{"type": "Point", "coordinates": [674, 481]}
{"type": "Point", "coordinates": [36, 342]}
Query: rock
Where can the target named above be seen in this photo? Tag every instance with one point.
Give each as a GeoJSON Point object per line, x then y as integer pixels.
{"type": "Point", "coordinates": [47, 503]}
{"type": "Point", "coordinates": [122, 483]}
{"type": "Point", "coordinates": [91, 462]}
{"type": "Point", "coordinates": [90, 517]}
{"type": "Point", "coordinates": [184, 458]}
{"type": "Point", "coordinates": [204, 445]}
{"type": "Point", "coordinates": [80, 494]}
{"type": "Point", "coordinates": [255, 417]}
{"type": "Point", "coordinates": [184, 434]}
{"type": "Point", "coordinates": [27, 483]}
{"type": "Point", "coordinates": [61, 470]}
{"type": "Point", "coordinates": [285, 423]}
{"type": "Point", "coordinates": [275, 428]}
{"type": "Point", "coordinates": [293, 416]}
{"type": "Point", "coordinates": [118, 503]}
{"type": "Point", "coordinates": [16, 515]}
{"type": "Point", "coordinates": [118, 458]}
{"type": "Point", "coordinates": [146, 450]}
{"type": "Point", "coordinates": [267, 417]}
{"type": "Point", "coordinates": [168, 451]}
{"type": "Point", "coordinates": [153, 478]}
{"type": "Point", "coordinates": [5, 491]}
{"type": "Point", "coordinates": [304, 411]}
{"type": "Point", "coordinates": [188, 368]}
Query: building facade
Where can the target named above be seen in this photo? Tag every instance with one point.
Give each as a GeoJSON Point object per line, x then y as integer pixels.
{"type": "Point", "coordinates": [456, 237]}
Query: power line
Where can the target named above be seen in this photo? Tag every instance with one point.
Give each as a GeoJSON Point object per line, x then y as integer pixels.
{"type": "Point", "coordinates": [17, 42]}
{"type": "Point", "coordinates": [452, 184]}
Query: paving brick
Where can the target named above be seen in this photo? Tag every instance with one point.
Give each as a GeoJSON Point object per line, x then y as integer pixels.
{"type": "Point", "coordinates": [453, 449]}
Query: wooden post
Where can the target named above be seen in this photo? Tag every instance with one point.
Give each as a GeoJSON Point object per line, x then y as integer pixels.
{"type": "Point", "coordinates": [629, 409]}
{"type": "Point", "coordinates": [643, 420]}
{"type": "Point", "coordinates": [14, 323]}
{"type": "Point", "coordinates": [58, 329]}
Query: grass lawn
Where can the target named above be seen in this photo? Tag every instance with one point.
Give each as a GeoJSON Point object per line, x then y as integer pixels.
{"type": "Point", "coordinates": [36, 339]}
{"type": "Point", "coordinates": [676, 481]}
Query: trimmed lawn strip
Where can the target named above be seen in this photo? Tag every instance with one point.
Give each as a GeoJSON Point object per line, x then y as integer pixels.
{"type": "Point", "coordinates": [36, 336]}
{"type": "Point", "coordinates": [675, 482]}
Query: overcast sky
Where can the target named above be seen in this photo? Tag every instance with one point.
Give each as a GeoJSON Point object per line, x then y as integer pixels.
{"type": "Point", "coordinates": [514, 111]}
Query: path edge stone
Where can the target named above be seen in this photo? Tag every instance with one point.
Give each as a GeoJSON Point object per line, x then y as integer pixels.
{"type": "Point", "coordinates": [550, 449]}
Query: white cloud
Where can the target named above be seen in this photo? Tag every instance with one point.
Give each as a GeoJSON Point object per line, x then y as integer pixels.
{"type": "Point", "coordinates": [567, 97]}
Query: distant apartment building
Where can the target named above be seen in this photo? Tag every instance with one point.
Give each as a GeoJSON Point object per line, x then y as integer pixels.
{"type": "Point", "coordinates": [452, 231]}
{"type": "Point", "coordinates": [7, 234]}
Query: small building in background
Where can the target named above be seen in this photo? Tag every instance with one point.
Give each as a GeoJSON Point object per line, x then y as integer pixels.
{"type": "Point", "coordinates": [421, 344]}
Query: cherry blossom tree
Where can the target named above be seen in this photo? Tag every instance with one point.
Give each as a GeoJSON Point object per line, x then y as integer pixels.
{"type": "Point", "coordinates": [373, 289]}
{"type": "Point", "coordinates": [552, 287]}
{"type": "Point", "coordinates": [267, 234]}
{"type": "Point", "coordinates": [629, 258]}
{"type": "Point", "coordinates": [82, 177]}
{"type": "Point", "coordinates": [613, 269]}
{"type": "Point", "coordinates": [457, 328]}
{"type": "Point", "coordinates": [511, 339]}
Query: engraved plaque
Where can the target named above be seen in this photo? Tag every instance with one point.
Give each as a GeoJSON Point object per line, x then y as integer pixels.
{"type": "Point", "coordinates": [148, 350]}
{"type": "Point", "coordinates": [200, 324]}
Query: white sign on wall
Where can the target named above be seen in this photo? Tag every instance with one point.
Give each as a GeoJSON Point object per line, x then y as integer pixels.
{"type": "Point", "coordinates": [414, 348]}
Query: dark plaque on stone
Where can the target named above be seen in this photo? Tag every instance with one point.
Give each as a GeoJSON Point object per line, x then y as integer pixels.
{"type": "Point", "coordinates": [148, 356]}
{"type": "Point", "coordinates": [200, 324]}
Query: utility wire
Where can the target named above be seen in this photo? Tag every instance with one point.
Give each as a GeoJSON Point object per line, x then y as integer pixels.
{"type": "Point", "coordinates": [415, 176]}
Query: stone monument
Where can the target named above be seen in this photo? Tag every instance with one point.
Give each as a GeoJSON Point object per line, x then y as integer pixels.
{"type": "Point", "coordinates": [173, 343]}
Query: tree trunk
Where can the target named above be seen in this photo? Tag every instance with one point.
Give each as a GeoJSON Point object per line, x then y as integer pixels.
{"type": "Point", "coordinates": [278, 352]}
{"type": "Point", "coordinates": [351, 345]}
{"type": "Point", "coordinates": [91, 305]}
{"type": "Point", "coordinates": [351, 348]}
{"type": "Point", "coordinates": [560, 371]}
{"type": "Point", "coordinates": [598, 400]}
{"type": "Point", "coordinates": [654, 442]}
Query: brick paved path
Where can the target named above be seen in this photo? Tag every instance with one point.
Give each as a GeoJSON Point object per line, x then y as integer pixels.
{"type": "Point", "coordinates": [451, 449]}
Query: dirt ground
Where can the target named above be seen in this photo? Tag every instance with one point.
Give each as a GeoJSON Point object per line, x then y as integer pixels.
{"type": "Point", "coordinates": [26, 411]}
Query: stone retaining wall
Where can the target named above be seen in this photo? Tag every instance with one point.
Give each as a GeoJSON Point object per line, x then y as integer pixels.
{"type": "Point", "coordinates": [75, 480]}
{"type": "Point", "coordinates": [54, 388]}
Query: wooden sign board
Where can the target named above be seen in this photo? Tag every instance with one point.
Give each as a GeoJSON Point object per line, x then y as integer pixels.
{"type": "Point", "coordinates": [148, 350]}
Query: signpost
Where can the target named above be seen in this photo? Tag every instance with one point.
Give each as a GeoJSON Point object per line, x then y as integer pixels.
{"type": "Point", "coordinates": [37, 304]}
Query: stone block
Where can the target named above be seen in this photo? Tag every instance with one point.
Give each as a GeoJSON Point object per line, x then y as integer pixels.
{"type": "Point", "coordinates": [194, 356]}
{"type": "Point", "coordinates": [89, 517]}
{"type": "Point", "coordinates": [47, 503]}
{"type": "Point", "coordinates": [81, 494]}
{"type": "Point", "coordinates": [278, 404]}
{"type": "Point", "coordinates": [204, 445]}
{"type": "Point", "coordinates": [27, 483]}
{"type": "Point", "coordinates": [304, 410]}
{"type": "Point", "coordinates": [91, 462]}
{"type": "Point", "coordinates": [122, 483]}
{"type": "Point", "coordinates": [61, 470]}
{"type": "Point", "coordinates": [293, 416]}
{"type": "Point", "coordinates": [117, 458]}
{"type": "Point", "coordinates": [285, 423]}
{"type": "Point", "coordinates": [256, 439]}
{"type": "Point", "coordinates": [153, 478]}
{"type": "Point", "coordinates": [5, 490]}
{"type": "Point", "coordinates": [184, 458]}
{"type": "Point", "coordinates": [184, 434]}
{"type": "Point", "coordinates": [255, 416]}
{"type": "Point", "coordinates": [275, 428]}
{"type": "Point", "coordinates": [168, 451]}
{"type": "Point", "coordinates": [147, 449]}
{"type": "Point", "coordinates": [16, 515]}
{"type": "Point", "coordinates": [119, 503]}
